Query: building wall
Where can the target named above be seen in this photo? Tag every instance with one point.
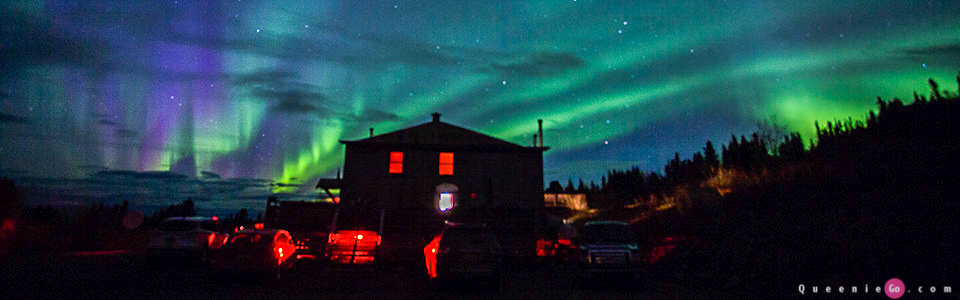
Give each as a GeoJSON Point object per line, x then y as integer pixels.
{"type": "Point", "coordinates": [497, 179]}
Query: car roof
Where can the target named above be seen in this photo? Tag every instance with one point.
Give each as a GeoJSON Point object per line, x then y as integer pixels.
{"type": "Point", "coordinates": [194, 218]}
{"type": "Point", "coordinates": [464, 224]}
{"type": "Point", "coordinates": [605, 223]}
{"type": "Point", "coordinates": [267, 231]}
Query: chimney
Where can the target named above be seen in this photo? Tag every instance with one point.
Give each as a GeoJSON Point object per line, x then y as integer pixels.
{"type": "Point", "coordinates": [534, 139]}
{"type": "Point", "coordinates": [540, 131]}
{"type": "Point", "coordinates": [436, 117]}
{"type": "Point", "coordinates": [371, 131]}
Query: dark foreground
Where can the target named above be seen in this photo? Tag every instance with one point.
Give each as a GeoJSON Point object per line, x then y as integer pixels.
{"type": "Point", "coordinates": [124, 276]}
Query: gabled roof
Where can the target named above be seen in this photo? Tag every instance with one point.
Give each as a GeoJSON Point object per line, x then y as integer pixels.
{"type": "Point", "coordinates": [438, 133]}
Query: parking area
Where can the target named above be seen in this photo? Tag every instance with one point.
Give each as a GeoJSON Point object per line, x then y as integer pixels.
{"type": "Point", "coordinates": [121, 275]}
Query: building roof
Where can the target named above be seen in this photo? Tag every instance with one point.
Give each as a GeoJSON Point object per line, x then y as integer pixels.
{"type": "Point", "coordinates": [437, 133]}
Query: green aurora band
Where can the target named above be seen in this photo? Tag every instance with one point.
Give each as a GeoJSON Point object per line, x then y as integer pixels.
{"type": "Point", "coordinates": [267, 90]}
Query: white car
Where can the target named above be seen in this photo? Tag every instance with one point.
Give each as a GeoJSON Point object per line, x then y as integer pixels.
{"type": "Point", "coordinates": [187, 237]}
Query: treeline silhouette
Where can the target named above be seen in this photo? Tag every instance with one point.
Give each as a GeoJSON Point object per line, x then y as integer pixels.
{"type": "Point", "coordinates": [94, 227]}
{"type": "Point", "coordinates": [913, 136]}
{"type": "Point", "coordinates": [866, 201]}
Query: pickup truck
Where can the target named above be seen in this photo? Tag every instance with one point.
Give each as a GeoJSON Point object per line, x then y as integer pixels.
{"type": "Point", "coordinates": [607, 248]}
{"type": "Point", "coordinates": [187, 237]}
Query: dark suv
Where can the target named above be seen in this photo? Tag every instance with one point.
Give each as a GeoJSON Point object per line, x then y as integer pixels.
{"type": "Point", "coordinates": [464, 252]}
{"type": "Point", "coordinates": [608, 247]}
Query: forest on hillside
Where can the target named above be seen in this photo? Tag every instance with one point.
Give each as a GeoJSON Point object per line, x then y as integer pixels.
{"type": "Point", "coordinates": [917, 138]}
{"type": "Point", "coordinates": [864, 201]}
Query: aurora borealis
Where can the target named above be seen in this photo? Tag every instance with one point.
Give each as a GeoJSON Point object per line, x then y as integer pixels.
{"type": "Point", "coordinates": [263, 89]}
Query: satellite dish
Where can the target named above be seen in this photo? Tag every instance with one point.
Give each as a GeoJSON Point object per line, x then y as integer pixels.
{"type": "Point", "coordinates": [133, 219]}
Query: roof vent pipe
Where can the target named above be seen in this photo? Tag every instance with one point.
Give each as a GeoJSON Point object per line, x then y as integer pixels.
{"type": "Point", "coordinates": [436, 117]}
{"type": "Point", "coordinates": [534, 139]}
{"type": "Point", "coordinates": [371, 131]}
{"type": "Point", "coordinates": [540, 131]}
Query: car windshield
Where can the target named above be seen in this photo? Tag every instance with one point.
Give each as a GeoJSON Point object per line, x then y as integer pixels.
{"type": "Point", "coordinates": [468, 238]}
{"type": "Point", "coordinates": [177, 225]}
{"type": "Point", "coordinates": [246, 239]}
{"type": "Point", "coordinates": [607, 233]}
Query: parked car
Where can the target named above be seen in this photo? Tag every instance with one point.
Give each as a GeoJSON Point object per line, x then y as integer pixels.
{"type": "Point", "coordinates": [187, 237]}
{"type": "Point", "coordinates": [267, 251]}
{"type": "Point", "coordinates": [465, 252]}
{"type": "Point", "coordinates": [608, 247]}
{"type": "Point", "coordinates": [352, 246]}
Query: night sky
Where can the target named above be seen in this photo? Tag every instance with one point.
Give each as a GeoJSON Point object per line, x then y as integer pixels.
{"type": "Point", "coordinates": [255, 89]}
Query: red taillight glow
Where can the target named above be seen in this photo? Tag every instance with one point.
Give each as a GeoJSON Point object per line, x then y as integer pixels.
{"type": "Point", "coordinates": [258, 226]}
{"type": "Point", "coordinates": [332, 237]}
{"type": "Point", "coordinates": [359, 236]}
{"type": "Point", "coordinates": [215, 218]}
{"type": "Point", "coordinates": [430, 256]}
{"type": "Point", "coordinates": [241, 228]}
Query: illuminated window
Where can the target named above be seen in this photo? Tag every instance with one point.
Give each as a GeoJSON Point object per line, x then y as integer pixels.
{"type": "Point", "coordinates": [446, 201]}
{"type": "Point", "coordinates": [446, 163]}
{"type": "Point", "coordinates": [396, 162]}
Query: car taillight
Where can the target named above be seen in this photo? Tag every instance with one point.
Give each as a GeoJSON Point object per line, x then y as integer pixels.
{"type": "Point", "coordinates": [359, 237]}
{"type": "Point", "coordinates": [332, 237]}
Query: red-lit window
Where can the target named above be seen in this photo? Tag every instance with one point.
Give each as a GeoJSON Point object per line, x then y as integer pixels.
{"type": "Point", "coordinates": [446, 163]}
{"type": "Point", "coordinates": [396, 162]}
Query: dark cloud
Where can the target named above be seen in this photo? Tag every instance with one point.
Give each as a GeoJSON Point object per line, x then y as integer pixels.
{"type": "Point", "coordinates": [950, 52]}
{"type": "Point", "coordinates": [288, 96]}
{"type": "Point", "coordinates": [27, 42]}
{"type": "Point", "coordinates": [374, 115]}
{"type": "Point", "coordinates": [263, 77]}
{"type": "Point", "coordinates": [540, 64]}
{"type": "Point", "coordinates": [106, 122]}
{"type": "Point", "coordinates": [127, 133]}
{"type": "Point", "coordinates": [14, 119]}
{"type": "Point", "coordinates": [294, 100]}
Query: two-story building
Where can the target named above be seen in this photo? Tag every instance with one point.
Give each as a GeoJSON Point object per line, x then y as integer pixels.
{"type": "Point", "coordinates": [423, 175]}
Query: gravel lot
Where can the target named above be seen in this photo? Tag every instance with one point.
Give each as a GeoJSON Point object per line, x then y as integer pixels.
{"type": "Point", "coordinates": [128, 276]}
